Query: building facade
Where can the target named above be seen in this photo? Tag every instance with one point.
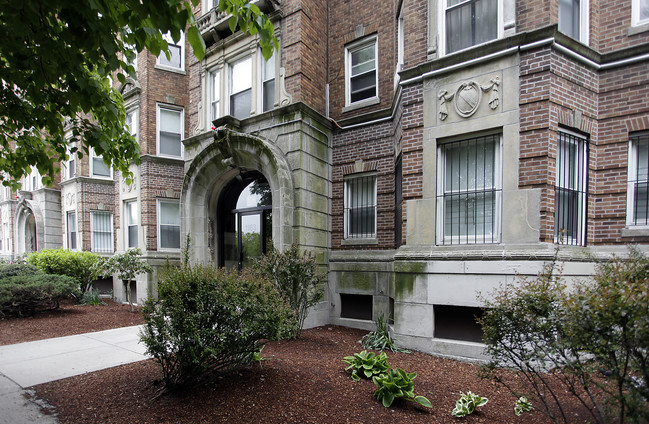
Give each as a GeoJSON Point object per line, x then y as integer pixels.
{"type": "Point", "coordinates": [425, 150]}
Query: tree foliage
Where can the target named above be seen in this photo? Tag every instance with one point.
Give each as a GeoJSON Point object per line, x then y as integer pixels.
{"type": "Point", "coordinates": [126, 266]}
{"type": "Point", "coordinates": [592, 339]}
{"type": "Point", "coordinates": [56, 58]}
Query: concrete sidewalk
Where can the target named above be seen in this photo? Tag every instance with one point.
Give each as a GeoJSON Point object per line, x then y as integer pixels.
{"type": "Point", "coordinates": [24, 365]}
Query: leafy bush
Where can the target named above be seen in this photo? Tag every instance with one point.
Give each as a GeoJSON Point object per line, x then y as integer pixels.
{"type": "Point", "coordinates": [127, 266]}
{"type": "Point", "coordinates": [13, 269]}
{"type": "Point", "coordinates": [522, 406]}
{"type": "Point", "coordinates": [84, 267]}
{"type": "Point", "coordinates": [295, 276]}
{"type": "Point", "coordinates": [380, 339]}
{"type": "Point", "coordinates": [92, 298]}
{"type": "Point", "coordinates": [577, 337]}
{"type": "Point", "coordinates": [467, 403]}
{"type": "Point", "coordinates": [209, 321]}
{"type": "Point", "coordinates": [397, 384]}
{"type": "Point", "coordinates": [367, 364]}
{"type": "Point", "coordinates": [24, 294]}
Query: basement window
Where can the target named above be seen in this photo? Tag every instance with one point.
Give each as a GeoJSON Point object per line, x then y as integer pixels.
{"type": "Point", "coordinates": [356, 306]}
{"type": "Point", "coordinates": [458, 323]}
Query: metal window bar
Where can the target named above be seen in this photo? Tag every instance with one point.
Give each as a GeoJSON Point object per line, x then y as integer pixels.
{"type": "Point", "coordinates": [101, 224]}
{"type": "Point", "coordinates": [471, 192]}
{"type": "Point", "coordinates": [640, 184]}
{"type": "Point", "coordinates": [361, 207]}
{"type": "Point", "coordinates": [571, 190]}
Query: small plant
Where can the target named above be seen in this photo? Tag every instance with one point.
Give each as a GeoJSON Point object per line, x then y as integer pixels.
{"type": "Point", "coordinates": [367, 364]}
{"type": "Point", "coordinates": [467, 403]}
{"type": "Point", "coordinates": [522, 406]}
{"type": "Point", "coordinates": [380, 339]}
{"type": "Point", "coordinates": [397, 384]}
{"type": "Point", "coordinates": [127, 266]}
{"type": "Point", "coordinates": [91, 298]}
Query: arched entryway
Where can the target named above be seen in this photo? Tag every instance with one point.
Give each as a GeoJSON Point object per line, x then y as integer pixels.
{"type": "Point", "coordinates": [244, 218]}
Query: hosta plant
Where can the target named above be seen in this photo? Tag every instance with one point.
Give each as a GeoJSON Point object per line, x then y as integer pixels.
{"type": "Point", "coordinates": [522, 406]}
{"type": "Point", "coordinates": [467, 403]}
{"type": "Point", "coordinates": [397, 384]}
{"type": "Point", "coordinates": [380, 339]}
{"type": "Point", "coordinates": [366, 364]}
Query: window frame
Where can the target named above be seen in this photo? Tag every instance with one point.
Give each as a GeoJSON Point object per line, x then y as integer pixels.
{"type": "Point", "coordinates": [171, 108]}
{"type": "Point", "coordinates": [632, 180]}
{"type": "Point", "coordinates": [6, 231]}
{"type": "Point", "coordinates": [93, 231]}
{"type": "Point", "coordinates": [135, 131]}
{"type": "Point", "coordinates": [347, 197]}
{"type": "Point", "coordinates": [181, 43]}
{"type": "Point", "coordinates": [443, 239]}
{"type": "Point", "coordinates": [230, 93]}
{"type": "Point", "coordinates": [500, 30]}
{"type": "Point", "coordinates": [158, 224]}
{"type": "Point", "coordinates": [72, 159]}
{"type": "Point", "coordinates": [349, 50]}
{"type": "Point", "coordinates": [261, 81]}
{"type": "Point", "coordinates": [636, 6]}
{"type": "Point", "coordinates": [94, 156]}
{"type": "Point", "coordinates": [211, 84]}
{"type": "Point", "coordinates": [584, 22]}
{"type": "Point", "coordinates": [128, 224]}
{"type": "Point", "coordinates": [71, 235]}
{"type": "Point", "coordinates": [581, 188]}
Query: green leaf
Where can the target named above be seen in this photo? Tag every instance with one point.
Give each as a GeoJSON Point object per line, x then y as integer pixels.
{"type": "Point", "coordinates": [423, 401]}
{"type": "Point", "coordinates": [388, 398]}
{"type": "Point", "coordinates": [196, 41]}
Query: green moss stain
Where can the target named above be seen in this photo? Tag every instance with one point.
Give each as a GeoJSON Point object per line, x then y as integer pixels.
{"type": "Point", "coordinates": [405, 274]}
{"type": "Point", "coordinates": [357, 281]}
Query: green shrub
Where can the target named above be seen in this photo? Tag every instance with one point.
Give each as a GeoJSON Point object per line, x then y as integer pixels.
{"type": "Point", "coordinates": [467, 403]}
{"type": "Point", "coordinates": [295, 276]}
{"type": "Point", "coordinates": [127, 266]}
{"type": "Point", "coordinates": [366, 364]}
{"type": "Point", "coordinates": [84, 267]}
{"type": "Point", "coordinates": [13, 269]}
{"type": "Point", "coordinates": [380, 338]}
{"type": "Point", "coordinates": [208, 321]}
{"type": "Point", "coordinates": [25, 294]}
{"type": "Point", "coordinates": [92, 298]}
{"type": "Point", "coordinates": [576, 337]}
{"type": "Point", "coordinates": [397, 384]}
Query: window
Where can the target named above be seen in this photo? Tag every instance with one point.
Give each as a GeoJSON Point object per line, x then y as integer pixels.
{"type": "Point", "coordinates": [168, 225]}
{"type": "Point", "coordinates": [638, 181]}
{"type": "Point", "coordinates": [267, 82]}
{"type": "Point", "coordinates": [241, 88]}
{"type": "Point", "coordinates": [132, 122]}
{"type": "Point", "coordinates": [400, 40]}
{"type": "Point", "coordinates": [215, 94]}
{"type": "Point", "coordinates": [469, 23]}
{"type": "Point", "coordinates": [570, 190]}
{"type": "Point", "coordinates": [361, 75]}
{"type": "Point", "coordinates": [360, 207]}
{"type": "Point", "coordinates": [7, 236]}
{"type": "Point", "coordinates": [177, 58]}
{"type": "Point", "coordinates": [71, 230]}
{"type": "Point", "coordinates": [130, 223]}
{"type": "Point", "coordinates": [640, 12]}
{"type": "Point", "coordinates": [69, 166]}
{"type": "Point", "coordinates": [469, 191]}
{"type": "Point", "coordinates": [573, 19]}
{"type": "Point", "coordinates": [101, 231]}
{"type": "Point", "coordinates": [97, 166]}
{"type": "Point", "coordinates": [170, 131]}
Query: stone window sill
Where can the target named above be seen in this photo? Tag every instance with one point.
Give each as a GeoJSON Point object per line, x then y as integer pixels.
{"type": "Point", "coordinates": [635, 232]}
{"type": "Point", "coordinates": [361, 104]}
{"type": "Point", "coordinates": [360, 242]}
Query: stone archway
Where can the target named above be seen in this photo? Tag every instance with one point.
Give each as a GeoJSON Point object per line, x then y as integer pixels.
{"type": "Point", "coordinates": [29, 227]}
{"type": "Point", "coordinates": [220, 157]}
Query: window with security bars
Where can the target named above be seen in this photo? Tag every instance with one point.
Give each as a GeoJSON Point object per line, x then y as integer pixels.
{"type": "Point", "coordinates": [71, 230]}
{"type": "Point", "coordinates": [570, 190]}
{"type": "Point", "coordinates": [638, 181]}
{"type": "Point", "coordinates": [360, 207]}
{"type": "Point", "coordinates": [101, 231]}
{"type": "Point", "coordinates": [469, 191]}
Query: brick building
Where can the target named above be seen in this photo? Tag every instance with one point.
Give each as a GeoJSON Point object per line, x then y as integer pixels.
{"type": "Point", "coordinates": [425, 150]}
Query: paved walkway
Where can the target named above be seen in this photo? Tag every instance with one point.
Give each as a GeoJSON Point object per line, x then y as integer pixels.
{"type": "Point", "coordinates": [24, 365]}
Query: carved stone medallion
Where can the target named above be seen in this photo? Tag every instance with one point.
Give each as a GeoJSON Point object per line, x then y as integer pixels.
{"type": "Point", "coordinates": [467, 98]}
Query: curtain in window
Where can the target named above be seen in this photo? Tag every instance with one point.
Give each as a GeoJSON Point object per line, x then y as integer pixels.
{"type": "Point", "coordinates": [169, 225]}
{"type": "Point", "coordinates": [470, 22]}
{"type": "Point", "coordinates": [170, 132]}
{"type": "Point", "coordinates": [101, 225]}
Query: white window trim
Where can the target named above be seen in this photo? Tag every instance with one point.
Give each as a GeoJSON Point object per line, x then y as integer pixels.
{"type": "Point", "coordinates": [210, 92]}
{"type": "Point", "coordinates": [182, 129]}
{"type": "Point", "coordinates": [126, 222]}
{"type": "Point", "coordinates": [67, 231]}
{"type": "Point", "coordinates": [347, 201]}
{"type": "Point", "coordinates": [136, 119]}
{"type": "Point", "coordinates": [441, 18]}
{"type": "Point", "coordinates": [632, 176]}
{"type": "Point", "coordinates": [443, 239]}
{"type": "Point", "coordinates": [160, 201]}
{"type": "Point", "coordinates": [348, 69]}
{"type": "Point", "coordinates": [93, 155]}
{"type": "Point", "coordinates": [569, 240]}
{"type": "Point", "coordinates": [72, 157]}
{"type": "Point", "coordinates": [180, 43]}
{"type": "Point", "coordinates": [112, 231]}
{"type": "Point", "coordinates": [225, 109]}
{"type": "Point", "coordinates": [584, 21]}
{"type": "Point", "coordinates": [635, 14]}
{"type": "Point", "coordinates": [400, 47]}
{"type": "Point", "coordinates": [259, 80]}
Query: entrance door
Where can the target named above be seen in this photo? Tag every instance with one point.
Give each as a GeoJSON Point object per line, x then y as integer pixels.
{"type": "Point", "coordinates": [244, 220]}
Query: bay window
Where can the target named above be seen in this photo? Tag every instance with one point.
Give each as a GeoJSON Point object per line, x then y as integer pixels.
{"type": "Point", "coordinates": [101, 231]}
{"type": "Point", "coordinates": [97, 166]}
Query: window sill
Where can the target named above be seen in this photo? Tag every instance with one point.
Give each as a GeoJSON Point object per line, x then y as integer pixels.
{"type": "Point", "coordinates": [635, 231]}
{"type": "Point", "coordinates": [638, 29]}
{"type": "Point", "coordinates": [170, 69]}
{"type": "Point", "coordinates": [361, 104]}
{"type": "Point", "coordinates": [360, 242]}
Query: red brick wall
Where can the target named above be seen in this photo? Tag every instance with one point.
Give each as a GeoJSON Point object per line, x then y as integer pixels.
{"type": "Point", "coordinates": [93, 197]}
{"type": "Point", "coordinates": [615, 22]}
